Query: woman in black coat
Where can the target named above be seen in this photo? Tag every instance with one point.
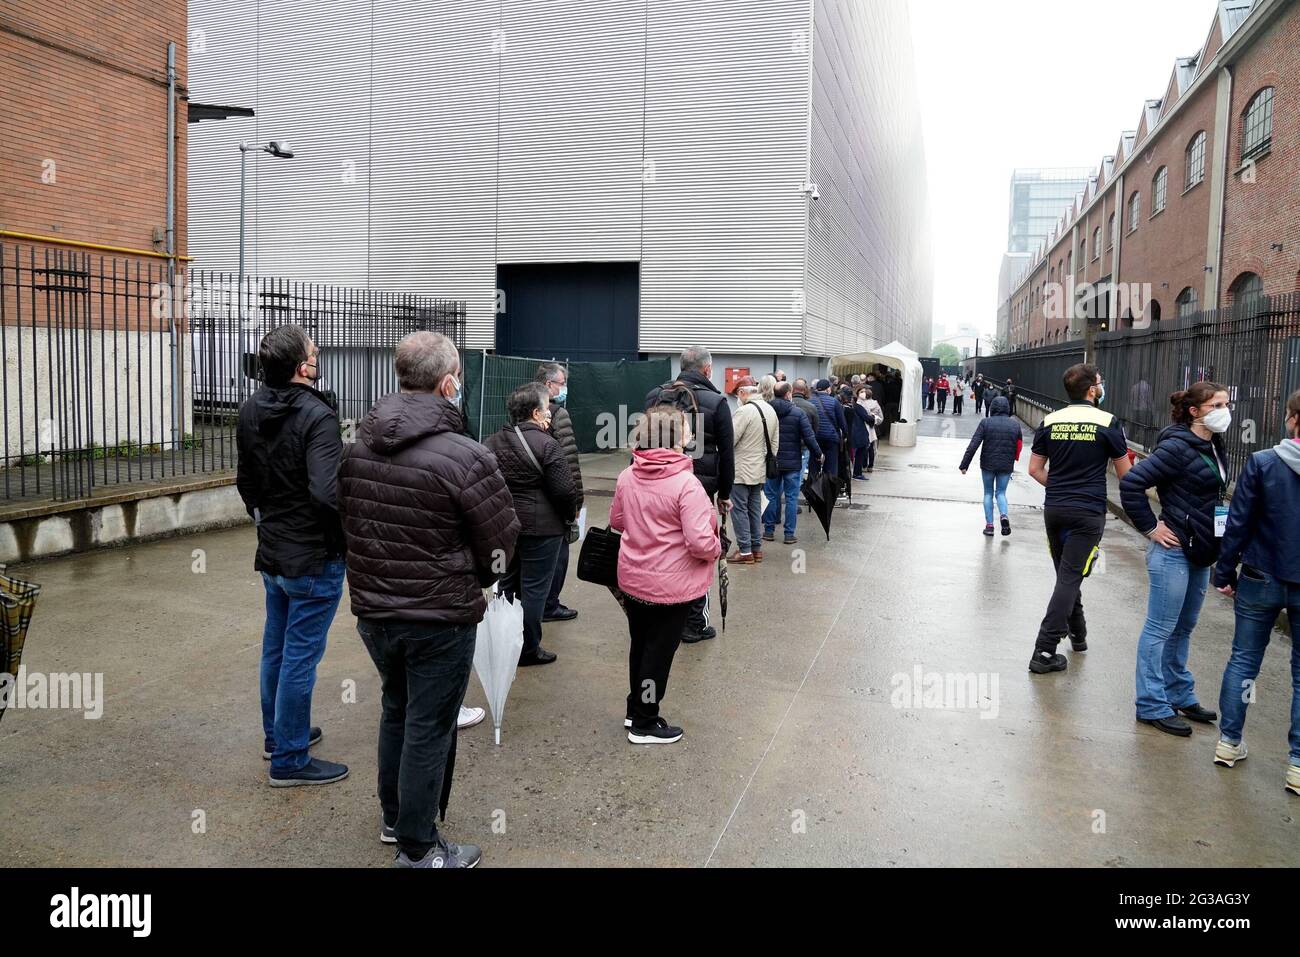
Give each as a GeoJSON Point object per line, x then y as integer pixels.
{"type": "Point", "coordinates": [1189, 470]}
{"type": "Point", "coordinates": [545, 499]}
{"type": "Point", "coordinates": [1000, 435]}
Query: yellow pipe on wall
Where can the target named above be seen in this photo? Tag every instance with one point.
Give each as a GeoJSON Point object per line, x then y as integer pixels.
{"type": "Point", "coordinates": [77, 244]}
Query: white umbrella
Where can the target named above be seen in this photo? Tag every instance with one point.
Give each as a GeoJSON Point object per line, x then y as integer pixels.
{"type": "Point", "coordinates": [497, 645]}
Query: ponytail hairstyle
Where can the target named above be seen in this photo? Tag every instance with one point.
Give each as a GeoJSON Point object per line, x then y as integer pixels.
{"type": "Point", "coordinates": [1182, 403]}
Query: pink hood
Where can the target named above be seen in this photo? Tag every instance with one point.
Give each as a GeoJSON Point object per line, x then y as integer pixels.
{"type": "Point", "coordinates": [669, 526]}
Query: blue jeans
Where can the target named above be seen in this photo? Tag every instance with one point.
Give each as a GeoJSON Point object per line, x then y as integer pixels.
{"type": "Point", "coordinates": [1259, 600]}
{"type": "Point", "coordinates": [1173, 605]}
{"type": "Point", "coordinates": [788, 486]}
{"type": "Point", "coordinates": [299, 612]}
{"type": "Point", "coordinates": [746, 501]}
{"type": "Point", "coordinates": [995, 483]}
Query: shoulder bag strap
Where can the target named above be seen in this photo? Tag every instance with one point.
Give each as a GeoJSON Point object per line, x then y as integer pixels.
{"type": "Point", "coordinates": [767, 439]}
{"type": "Point", "coordinates": [529, 452]}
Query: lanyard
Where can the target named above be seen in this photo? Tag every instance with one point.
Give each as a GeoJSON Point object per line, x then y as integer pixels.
{"type": "Point", "coordinates": [1223, 486]}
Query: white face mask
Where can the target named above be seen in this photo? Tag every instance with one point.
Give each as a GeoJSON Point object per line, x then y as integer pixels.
{"type": "Point", "coordinates": [1217, 420]}
{"type": "Point", "coordinates": [454, 398]}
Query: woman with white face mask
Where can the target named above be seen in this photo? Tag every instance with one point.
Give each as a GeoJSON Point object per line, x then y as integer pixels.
{"type": "Point", "coordinates": [1189, 470]}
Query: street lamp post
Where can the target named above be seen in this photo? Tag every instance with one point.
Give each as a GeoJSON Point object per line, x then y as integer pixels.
{"type": "Point", "coordinates": [279, 151]}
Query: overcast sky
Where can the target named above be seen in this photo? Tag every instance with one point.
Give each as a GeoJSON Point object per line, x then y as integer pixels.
{"type": "Point", "coordinates": [1027, 83]}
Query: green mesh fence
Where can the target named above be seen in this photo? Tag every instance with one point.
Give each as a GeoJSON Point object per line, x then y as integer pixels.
{"type": "Point", "coordinates": [602, 395]}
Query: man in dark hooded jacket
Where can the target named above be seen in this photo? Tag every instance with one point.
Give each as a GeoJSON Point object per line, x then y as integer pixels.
{"type": "Point", "coordinates": [289, 449]}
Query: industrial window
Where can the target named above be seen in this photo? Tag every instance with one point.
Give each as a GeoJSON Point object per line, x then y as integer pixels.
{"type": "Point", "coordinates": [1246, 289]}
{"type": "Point", "coordinates": [1096, 244]}
{"type": "Point", "coordinates": [1159, 189]}
{"type": "Point", "coordinates": [1195, 160]}
{"type": "Point", "coordinates": [1134, 211]}
{"type": "Point", "coordinates": [1187, 302]}
{"type": "Point", "coordinates": [1257, 125]}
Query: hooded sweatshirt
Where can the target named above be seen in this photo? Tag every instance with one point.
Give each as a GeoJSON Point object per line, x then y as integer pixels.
{"type": "Point", "coordinates": [429, 519]}
{"type": "Point", "coordinates": [289, 449]}
{"type": "Point", "coordinates": [670, 529]}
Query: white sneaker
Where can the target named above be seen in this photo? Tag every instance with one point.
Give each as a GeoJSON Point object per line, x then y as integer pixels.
{"type": "Point", "coordinates": [469, 717]}
{"type": "Point", "coordinates": [1226, 755]}
{"type": "Point", "coordinates": [1293, 780]}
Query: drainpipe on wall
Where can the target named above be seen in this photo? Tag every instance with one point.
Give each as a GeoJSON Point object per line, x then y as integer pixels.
{"type": "Point", "coordinates": [1219, 183]}
{"type": "Point", "coordinates": [170, 244]}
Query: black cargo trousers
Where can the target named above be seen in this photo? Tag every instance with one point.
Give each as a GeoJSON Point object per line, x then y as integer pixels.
{"type": "Point", "coordinates": [1073, 537]}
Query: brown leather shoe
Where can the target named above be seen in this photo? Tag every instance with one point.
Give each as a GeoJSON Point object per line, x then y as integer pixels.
{"type": "Point", "coordinates": [735, 558]}
{"type": "Point", "coordinates": [758, 556]}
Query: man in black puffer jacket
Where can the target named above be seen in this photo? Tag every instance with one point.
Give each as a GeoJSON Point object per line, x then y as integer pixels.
{"type": "Point", "coordinates": [556, 379]}
{"type": "Point", "coordinates": [289, 448]}
{"type": "Point", "coordinates": [1002, 440]}
{"type": "Point", "coordinates": [713, 454]}
{"type": "Point", "coordinates": [430, 524]}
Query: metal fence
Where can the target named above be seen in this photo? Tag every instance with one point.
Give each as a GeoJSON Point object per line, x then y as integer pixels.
{"type": "Point", "coordinates": [1252, 349]}
{"type": "Point", "coordinates": [113, 373]}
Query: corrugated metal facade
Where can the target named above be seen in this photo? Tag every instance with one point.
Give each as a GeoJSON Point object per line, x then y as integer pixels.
{"type": "Point", "coordinates": [435, 140]}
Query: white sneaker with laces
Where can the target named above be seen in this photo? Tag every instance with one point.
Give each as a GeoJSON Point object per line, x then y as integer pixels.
{"type": "Point", "coordinates": [469, 717]}
{"type": "Point", "coordinates": [1226, 755]}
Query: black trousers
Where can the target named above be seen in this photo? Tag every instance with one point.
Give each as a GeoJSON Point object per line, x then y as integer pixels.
{"type": "Point", "coordinates": [1072, 536]}
{"type": "Point", "coordinates": [529, 579]}
{"type": "Point", "coordinates": [557, 580]}
{"type": "Point", "coordinates": [979, 402]}
{"type": "Point", "coordinates": [424, 669]}
{"type": "Point", "coordinates": [656, 632]}
{"type": "Point", "coordinates": [943, 401]}
{"type": "Point", "coordinates": [957, 399]}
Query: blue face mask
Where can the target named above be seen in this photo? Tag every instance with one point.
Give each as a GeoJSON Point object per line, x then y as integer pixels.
{"type": "Point", "coordinates": [1101, 394]}
{"type": "Point", "coordinates": [455, 397]}
{"type": "Point", "coordinates": [562, 394]}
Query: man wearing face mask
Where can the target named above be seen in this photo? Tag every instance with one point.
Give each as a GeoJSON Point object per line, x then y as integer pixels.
{"type": "Point", "coordinates": [430, 524]}
{"type": "Point", "coordinates": [556, 379]}
{"type": "Point", "coordinates": [1071, 451]}
{"type": "Point", "coordinates": [289, 449]}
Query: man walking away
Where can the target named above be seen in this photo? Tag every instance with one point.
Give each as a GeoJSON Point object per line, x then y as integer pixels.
{"type": "Point", "coordinates": [430, 524]}
{"type": "Point", "coordinates": [1070, 452]}
{"type": "Point", "coordinates": [556, 379]}
{"type": "Point", "coordinates": [712, 452]}
{"type": "Point", "coordinates": [289, 448]}
{"type": "Point", "coordinates": [831, 429]}
{"type": "Point", "coordinates": [1263, 535]}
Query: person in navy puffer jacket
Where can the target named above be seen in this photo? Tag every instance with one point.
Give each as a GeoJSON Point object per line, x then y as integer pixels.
{"type": "Point", "coordinates": [831, 429]}
{"type": "Point", "coordinates": [1189, 470]}
{"type": "Point", "coordinates": [1002, 440]}
{"type": "Point", "coordinates": [1264, 536]}
{"type": "Point", "coordinates": [796, 432]}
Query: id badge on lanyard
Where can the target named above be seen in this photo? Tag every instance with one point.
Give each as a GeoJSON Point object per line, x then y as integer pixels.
{"type": "Point", "coordinates": [1220, 520]}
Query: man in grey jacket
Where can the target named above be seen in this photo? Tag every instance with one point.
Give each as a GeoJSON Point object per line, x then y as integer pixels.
{"type": "Point", "coordinates": [556, 379]}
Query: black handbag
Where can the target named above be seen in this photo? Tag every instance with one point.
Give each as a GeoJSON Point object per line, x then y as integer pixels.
{"type": "Point", "coordinates": [773, 471]}
{"type": "Point", "coordinates": [598, 560]}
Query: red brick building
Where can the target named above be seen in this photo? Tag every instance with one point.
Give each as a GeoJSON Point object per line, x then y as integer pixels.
{"type": "Point", "coordinates": [83, 120]}
{"type": "Point", "coordinates": [1199, 206]}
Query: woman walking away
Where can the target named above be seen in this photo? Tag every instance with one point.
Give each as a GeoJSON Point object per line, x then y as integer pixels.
{"type": "Point", "coordinates": [866, 415]}
{"type": "Point", "coordinates": [1264, 536]}
{"type": "Point", "coordinates": [754, 428]}
{"type": "Point", "coordinates": [1002, 441]}
{"type": "Point", "coordinates": [1189, 470]}
{"type": "Point", "coordinates": [545, 497]}
{"type": "Point", "coordinates": [665, 561]}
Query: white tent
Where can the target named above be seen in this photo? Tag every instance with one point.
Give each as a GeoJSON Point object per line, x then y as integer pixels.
{"type": "Point", "coordinates": [896, 356]}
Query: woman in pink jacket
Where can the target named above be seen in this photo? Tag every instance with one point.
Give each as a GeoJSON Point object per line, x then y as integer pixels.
{"type": "Point", "coordinates": [665, 561]}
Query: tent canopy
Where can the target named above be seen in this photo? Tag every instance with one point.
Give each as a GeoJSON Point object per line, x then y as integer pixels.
{"type": "Point", "coordinates": [895, 356]}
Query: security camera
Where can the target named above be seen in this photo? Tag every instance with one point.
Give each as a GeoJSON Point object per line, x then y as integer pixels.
{"type": "Point", "coordinates": [810, 189]}
{"type": "Point", "coordinates": [814, 192]}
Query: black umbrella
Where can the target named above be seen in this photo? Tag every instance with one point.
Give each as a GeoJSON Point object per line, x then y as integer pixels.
{"type": "Point", "coordinates": [722, 563]}
{"type": "Point", "coordinates": [820, 493]}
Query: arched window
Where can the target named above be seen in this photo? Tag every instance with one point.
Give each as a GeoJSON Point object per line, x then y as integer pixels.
{"type": "Point", "coordinates": [1188, 302]}
{"type": "Point", "coordinates": [1246, 289]}
{"type": "Point", "coordinates": [1134, 211]}
{"type": "Point", "coordinates": [1159, 190]}
{"type": "Point", "coordinates": [1096, 244]}
{"type": "Point", "coordinates": [1257, 125]}
{"type": "Point", "coordinates": [1114, 231]}
{"type": "Point", "coordinates": [1069, 262]}
{"type": "Point", "coordinates": [1195, 161]}
{"type": "Point", "coordinates": [1152, 312]}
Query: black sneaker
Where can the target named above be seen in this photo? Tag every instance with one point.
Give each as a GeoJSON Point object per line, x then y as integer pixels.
{"type": "Point", "coordinates": [539, 657]}
{"type": "Point", "coordinates": [1197, 713]}
{"type": "Point", "coordinates": [1006, 525]}
{"type": "Point", "coordinates": [1079, 644]}
{"type": "Point", "coordinates": [988, 531]}
{"type": "Point", "coordinates": [1044, 663]}
{"type": "Point", "coordinates": [562, 613]}
{"type": "Point", "coordinates": [691, 637]}
{"type": "Point", "coordinates": [443, 854]}
{"type": "Point", "coordinates": [388, 834]}
{"type": "Point", "coordinates": [1171, 725]}
{"type": "Point", "coordinates": [769, 536]}
{"type": "Point", "coordinates": [316, 772]}
{"type": "Point", "coordinates": [791, 540]}
{"type": "Point", "coordinates": [660, 733]}
{"type": "Point", "coordinates": [313, 738]}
